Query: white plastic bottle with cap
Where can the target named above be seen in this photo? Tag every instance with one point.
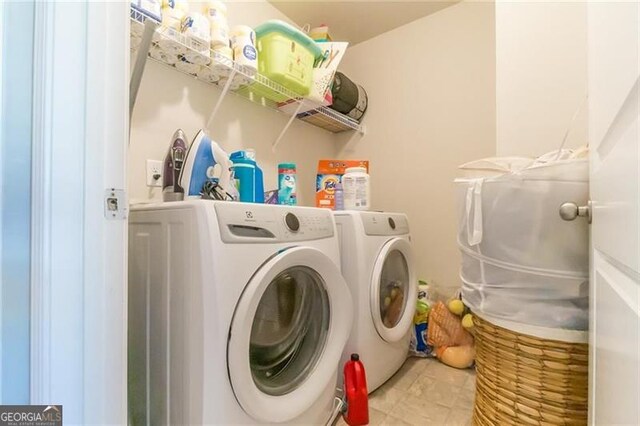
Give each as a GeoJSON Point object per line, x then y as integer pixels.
{"type": "Point", "coordinates": [173, 12]}
{"type": "Point", "coordinates": [215, 9]}
{"type": "Point", "coordinates": [357, 189]}
{"type": "Point", "coordinates": [216, 13]}
{"type": "Point", "coordinates": [243, 43]}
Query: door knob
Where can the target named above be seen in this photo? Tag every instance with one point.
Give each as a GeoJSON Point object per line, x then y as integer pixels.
{"type": "Point", "coordinates": [569, 211]}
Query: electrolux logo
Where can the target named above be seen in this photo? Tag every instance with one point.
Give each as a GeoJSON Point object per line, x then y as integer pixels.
{"type": "Point", "coordinates": [30, 415]}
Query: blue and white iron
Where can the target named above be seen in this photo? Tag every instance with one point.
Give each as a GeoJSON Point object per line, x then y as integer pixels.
{"type": "Point", "coordinates": [205, 163]}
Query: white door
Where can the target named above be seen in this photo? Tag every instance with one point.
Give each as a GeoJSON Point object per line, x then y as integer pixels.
{"type": "Point", "coordinates": [614, 133]}
{"type": "Point", "coordinates": [287, 334]}
{"type": "Point", "coordinates": [78, 294]}
{"type": "Point", "coordinates": [393, 292]}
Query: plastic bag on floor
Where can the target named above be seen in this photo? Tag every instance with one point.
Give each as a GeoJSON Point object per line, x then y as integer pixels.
{"type": "Point", "coordinates": [454, 344]}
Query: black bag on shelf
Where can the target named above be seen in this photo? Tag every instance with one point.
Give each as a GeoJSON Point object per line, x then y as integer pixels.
{"type": "Point", "coordinates": [348, 97]}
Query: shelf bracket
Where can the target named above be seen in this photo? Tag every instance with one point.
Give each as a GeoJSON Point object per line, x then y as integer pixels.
{"type": "Point", "coordinates": [141, 61]}
{"type": "Point", "coordinates": [286, 127]}
{"type": "Point", "coordinates": [224, 92]}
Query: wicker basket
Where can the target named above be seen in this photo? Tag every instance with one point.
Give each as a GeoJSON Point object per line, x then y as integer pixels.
{"type": "Point", "coordinates": [526, 380]}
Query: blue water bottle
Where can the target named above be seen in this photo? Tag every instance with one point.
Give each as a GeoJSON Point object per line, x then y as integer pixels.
{"type": "Point", "coordinates": [248, 176]}
{"type": "Point", "coordinates": [287, 184]}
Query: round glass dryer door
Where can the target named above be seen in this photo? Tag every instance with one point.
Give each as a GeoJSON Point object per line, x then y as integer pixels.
{"type": "Point", "coordinates": [287, 334]}
{"type": "Point", "coordinates": [393, 290]}
{"type": "Point", "coordinates": [289, 330]}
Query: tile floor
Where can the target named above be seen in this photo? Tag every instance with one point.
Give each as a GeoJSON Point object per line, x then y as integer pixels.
{"type": "Point", "coordinates": [423, 392]}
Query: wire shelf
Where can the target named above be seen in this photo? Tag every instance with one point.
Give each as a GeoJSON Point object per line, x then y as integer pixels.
{"type": "Point", "coordinates": [194, 58]}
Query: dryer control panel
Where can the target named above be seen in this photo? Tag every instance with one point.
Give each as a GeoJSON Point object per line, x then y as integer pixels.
{"type": "Point", "coordinates": [264, 223]}
{"type": "Point", "coordinates": [379, 223]}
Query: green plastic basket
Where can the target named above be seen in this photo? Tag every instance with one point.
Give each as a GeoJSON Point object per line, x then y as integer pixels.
{"type": "Point", "coordinates": [287, 56]}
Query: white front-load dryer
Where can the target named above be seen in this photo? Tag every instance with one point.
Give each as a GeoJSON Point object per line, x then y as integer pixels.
{"type": "Point", "coordinates": [238, 314]}
{"type": "Point", "coordinates": [378, 265]}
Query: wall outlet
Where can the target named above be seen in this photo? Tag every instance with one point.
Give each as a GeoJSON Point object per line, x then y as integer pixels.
{"type": "Point", "coordinates": [154, 173]}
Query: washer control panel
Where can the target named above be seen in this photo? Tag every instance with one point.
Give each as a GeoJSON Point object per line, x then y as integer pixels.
{"type": "Point", "coordinates": [380, 223]}
{"type": "Point", "coordinates": [307, 224]}
{"type": "Point", "coordinates": [264, 223]}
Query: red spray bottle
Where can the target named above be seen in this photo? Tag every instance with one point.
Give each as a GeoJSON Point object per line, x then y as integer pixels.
{"type": "Point", "coordinates": [355, 391]}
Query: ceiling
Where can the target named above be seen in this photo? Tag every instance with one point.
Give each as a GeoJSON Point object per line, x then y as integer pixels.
{"type": "Point", "coordinates": [358, 20]}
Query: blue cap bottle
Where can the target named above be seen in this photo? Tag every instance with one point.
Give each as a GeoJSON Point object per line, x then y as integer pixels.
{"type": "Point", "coordinates": [248, 176]}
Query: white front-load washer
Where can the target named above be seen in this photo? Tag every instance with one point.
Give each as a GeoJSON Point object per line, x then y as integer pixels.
{"type": "Point", "coordinates": [378, 265]}
{"type": "Point", "coordinates": [238, 314]}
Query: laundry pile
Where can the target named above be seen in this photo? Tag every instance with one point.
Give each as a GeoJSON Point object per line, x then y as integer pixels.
{"type": "Point", "coordinates": [453, 342]}
{"type": "Point", "coordinates": [442, 330]}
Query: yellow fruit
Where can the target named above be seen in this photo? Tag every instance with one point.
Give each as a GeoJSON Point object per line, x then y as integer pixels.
{"type": "Point", "coordinates": [387, 301]}
{"type": "Point", "coordinates": [394, 292]}
{"type": "Point", "coordinates": [456, 306]}
{"type": "Point", "coordinates": [467, 321]}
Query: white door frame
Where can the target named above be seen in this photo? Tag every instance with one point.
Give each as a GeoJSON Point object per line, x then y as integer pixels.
{"type": "Point", "coordinates": [1, 183]}
{"type": "Point", "coordinates": [16, 124]}
{"type": "Point", "coordinates": [79, 258]}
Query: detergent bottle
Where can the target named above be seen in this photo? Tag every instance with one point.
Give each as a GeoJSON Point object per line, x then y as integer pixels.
{"type": "Point", "coordinates": [355, 391]}
{"type": "Point", "coordinates": [248, 177]}
{"type": "Point", "coordinates": [287, 184]}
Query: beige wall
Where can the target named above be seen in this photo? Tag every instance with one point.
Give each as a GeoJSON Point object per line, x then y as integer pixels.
{"type": "Point", "coordinates": [169, 100]}
{"type": "Point", "coordinates": [474, 80]}
{"type": "Point", "coordinates": [431, 87]}
{"type": "Point", "coordinates": [541, 75]}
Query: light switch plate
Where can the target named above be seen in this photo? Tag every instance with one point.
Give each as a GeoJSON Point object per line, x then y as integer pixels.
{"type": "Point", "coordinates": [154, 173]}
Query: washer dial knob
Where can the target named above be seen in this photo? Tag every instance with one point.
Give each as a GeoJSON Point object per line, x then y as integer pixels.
{"type": "Point", "coordinates": [292, 222]}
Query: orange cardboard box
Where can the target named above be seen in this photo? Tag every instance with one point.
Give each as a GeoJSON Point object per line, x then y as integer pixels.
{"type": "Point", "coordinates": [329, 174]}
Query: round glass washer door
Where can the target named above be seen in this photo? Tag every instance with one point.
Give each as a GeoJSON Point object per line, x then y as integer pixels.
{"type": "Point", "coordinates": [287, 334]}
{"type": "Point", "coordinates": [393, 290]}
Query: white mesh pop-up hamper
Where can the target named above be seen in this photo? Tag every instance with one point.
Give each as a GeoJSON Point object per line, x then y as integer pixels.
{"type": "Point", "coordinates": [520, 261]}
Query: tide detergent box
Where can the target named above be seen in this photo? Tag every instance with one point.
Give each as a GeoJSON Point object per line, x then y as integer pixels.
{"type": "Point", "coordinates": [329, 174]}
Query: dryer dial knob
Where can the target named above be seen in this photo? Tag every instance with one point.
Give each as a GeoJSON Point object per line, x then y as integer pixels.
{"type": "Point", "coordinates": [392, 223]}
{"type": "Point", "coordinates": [292, 222]}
